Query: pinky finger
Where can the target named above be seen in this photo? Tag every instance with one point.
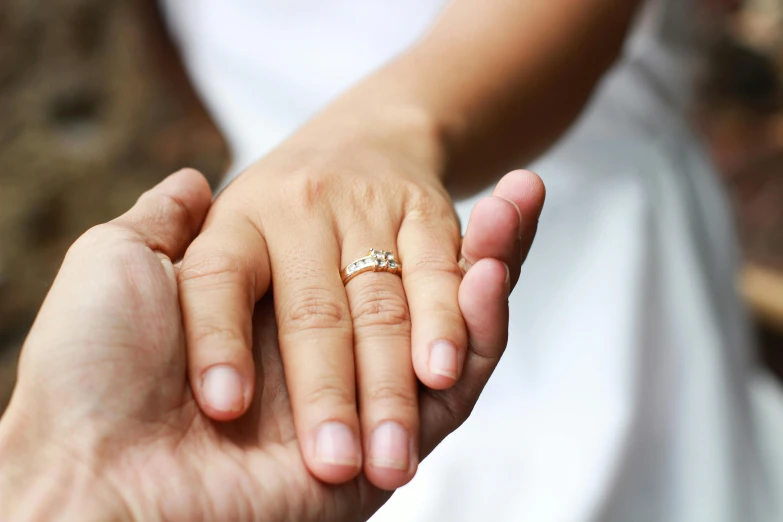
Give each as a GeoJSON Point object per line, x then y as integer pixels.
{"type": "Point", "coordinates": [483, 300]}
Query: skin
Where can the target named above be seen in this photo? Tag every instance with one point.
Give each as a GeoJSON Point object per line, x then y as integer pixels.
{"type": "Point", "coordinates": [103, 424]}
{"type": "Point", "coordinates": [492, 84]}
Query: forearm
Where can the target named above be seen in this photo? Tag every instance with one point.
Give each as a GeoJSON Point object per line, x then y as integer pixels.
{"type": "Point", "coordinates": [496, 82]}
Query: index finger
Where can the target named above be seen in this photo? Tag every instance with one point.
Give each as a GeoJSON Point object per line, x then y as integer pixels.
{"type": "Point", "coordinates": [224, 272]}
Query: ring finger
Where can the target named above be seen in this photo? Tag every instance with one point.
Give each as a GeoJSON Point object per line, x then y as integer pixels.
{"type": "Point", "coordinates": [387, 388]}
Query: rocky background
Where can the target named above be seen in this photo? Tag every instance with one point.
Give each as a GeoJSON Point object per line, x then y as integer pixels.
{"type": "Point", "coordinates": [95, 108]}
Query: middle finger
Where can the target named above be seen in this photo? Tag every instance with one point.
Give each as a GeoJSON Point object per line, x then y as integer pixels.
{"type": "Point", "coordinates": [315, 333]}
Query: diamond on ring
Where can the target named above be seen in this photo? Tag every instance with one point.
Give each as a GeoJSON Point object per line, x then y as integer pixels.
{"type": "Point", "coordinates": [375, 260]}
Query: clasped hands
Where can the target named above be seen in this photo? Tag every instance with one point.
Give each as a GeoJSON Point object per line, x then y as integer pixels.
{"type": "Point", "coordinates": [150, 390]}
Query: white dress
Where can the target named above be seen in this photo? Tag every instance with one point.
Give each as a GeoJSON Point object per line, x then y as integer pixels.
{"type": "Point", "coordinates": [628, 390]}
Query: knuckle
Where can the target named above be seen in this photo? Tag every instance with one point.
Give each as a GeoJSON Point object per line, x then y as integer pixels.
{"type": "Point", "coordinates": [313, 309]}
{"type": "Point", "coordinates": [392, 393]}
{"type": "Point", "coordinates": [332, 394]}
{"type": "Point", "coordinates": [205, 332]}
{"type": "Point", "coordinates": [162, 216]}
{"type": "Point", "coordinates": [418, 195]}
{"type": "Point", "coordinates": [428, 206]}
{"type": "Point", "coordinates": [432, 263]}
{"type": "Point", "coordinates": [361, 190]}
{"type": "Point", "coordinates": [210, 267]}
{"type": "Point", "coordinates": [309, 187]}
{"type": "Point", "coordinates": [376, 198]}
{"type": "Point", "coordinates": [169, 209]}
{"type": "Point", "coordinates": [449, 314]}
{"type": "Point", "coordinates": [378, 305]}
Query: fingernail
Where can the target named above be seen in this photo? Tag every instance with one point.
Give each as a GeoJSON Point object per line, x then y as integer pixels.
{"type": "Point", "coordinates": [519, 213]}
{"type": "Point", "coordinates": [390, 446]}
{"type": "Point", "coordinates": [222, 389]}
{"type": "Point", "coordinates": [443, 359]}
{"type": "Point", "coordinates": [507, 282]}
{"type": "Point", "coordinates": [336, 444]}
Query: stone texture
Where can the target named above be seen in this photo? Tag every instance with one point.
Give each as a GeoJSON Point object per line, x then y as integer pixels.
{"type": "Point", "coordinates": [94, 109]}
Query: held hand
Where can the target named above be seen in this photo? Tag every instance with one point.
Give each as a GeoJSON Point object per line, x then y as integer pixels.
{"type": "Point", "coordinates": [103, 425]}
{"type": "Point", "coordinates": [352, 353]}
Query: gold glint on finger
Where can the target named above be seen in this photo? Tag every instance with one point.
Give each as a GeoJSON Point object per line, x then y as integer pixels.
{"type": "Point", "coordinates": [375, 261]}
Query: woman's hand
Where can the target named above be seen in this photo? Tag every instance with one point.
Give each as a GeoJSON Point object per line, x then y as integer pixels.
{"type": "Point", "coordinates": [337, 188]}
{"type": "Point", "coordinates": [102, 424]}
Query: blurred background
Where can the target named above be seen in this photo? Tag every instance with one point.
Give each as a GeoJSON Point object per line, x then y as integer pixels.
{"type": "Point", "coordinates": [95, 108]}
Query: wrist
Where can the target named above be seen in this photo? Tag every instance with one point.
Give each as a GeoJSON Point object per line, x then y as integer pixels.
{"type": "Point", "coordinates": [399, 124]}
{"type": "Point", "coordinates": [39, 482]}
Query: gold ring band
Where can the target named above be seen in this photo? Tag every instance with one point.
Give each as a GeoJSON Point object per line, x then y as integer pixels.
{"type": "Point", "coordinates": [375, 261]}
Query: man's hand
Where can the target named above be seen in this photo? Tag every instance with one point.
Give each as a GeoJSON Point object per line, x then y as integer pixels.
{"type": "Point", "coordinates": [103, 425]}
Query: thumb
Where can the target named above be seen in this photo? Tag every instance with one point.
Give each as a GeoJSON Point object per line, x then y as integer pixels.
{"type": "Point", "coordinates": [168, 216]}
